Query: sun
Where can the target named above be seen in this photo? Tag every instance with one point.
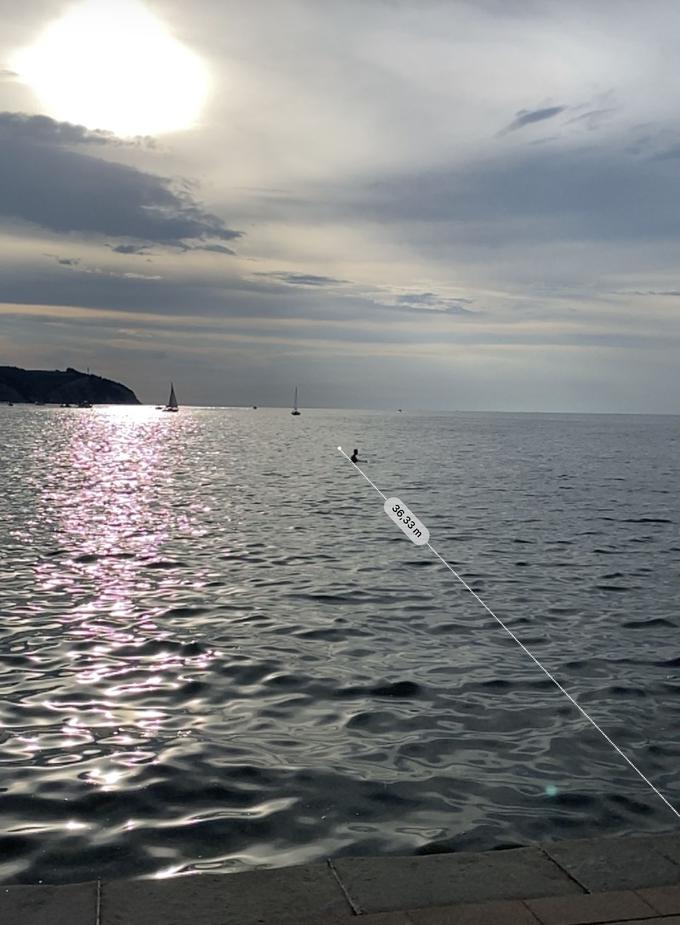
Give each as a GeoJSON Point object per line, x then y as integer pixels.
{"type": "Point", "coordinates": [111, 64]}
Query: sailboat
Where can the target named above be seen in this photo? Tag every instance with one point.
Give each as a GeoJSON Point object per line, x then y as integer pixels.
{"type": "Point", "coordinates": [295, 403]}
{"type": "Point", "coordinates": [172, 401]}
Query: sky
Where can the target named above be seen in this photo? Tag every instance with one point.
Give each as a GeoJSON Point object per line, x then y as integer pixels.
{"type": "Point", "coordinates": [433, 204]}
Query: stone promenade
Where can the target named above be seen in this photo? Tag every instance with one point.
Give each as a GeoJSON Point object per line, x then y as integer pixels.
{"type": "Point", "coordinates": [612, 880]}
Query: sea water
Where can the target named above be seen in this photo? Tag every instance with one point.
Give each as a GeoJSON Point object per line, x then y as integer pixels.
{"type": "Point", "coordinates": [217, 652]}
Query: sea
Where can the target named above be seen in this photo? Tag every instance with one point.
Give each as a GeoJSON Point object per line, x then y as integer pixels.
{"type": "Point", "coordinates": [217, 652]}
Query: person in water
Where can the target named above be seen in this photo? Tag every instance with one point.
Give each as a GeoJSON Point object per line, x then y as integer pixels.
{"type": "Point", "coordinates": [355, 457]}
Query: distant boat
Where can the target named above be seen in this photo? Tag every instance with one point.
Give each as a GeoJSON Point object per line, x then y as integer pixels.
{"type": "Point", "coordinates": [84, 404]}
{"type": "Point", "coordinates": [295, 403]}
{"type": "Point", "coordinates": [172, 401]}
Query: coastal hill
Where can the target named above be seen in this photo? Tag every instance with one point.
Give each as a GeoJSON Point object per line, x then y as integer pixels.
{"type": "Point", "coordinates": [57, 387]}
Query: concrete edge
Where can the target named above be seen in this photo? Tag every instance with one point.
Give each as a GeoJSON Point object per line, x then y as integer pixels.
{"type": "Point", "coordinates": [50, 896]}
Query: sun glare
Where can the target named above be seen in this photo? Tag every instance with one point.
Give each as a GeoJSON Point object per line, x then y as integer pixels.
{"type": "Point", "coordinates": [111, 64]}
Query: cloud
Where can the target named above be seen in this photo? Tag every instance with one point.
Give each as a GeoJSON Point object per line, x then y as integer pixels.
{"type": "Point", "coordinates": [129, 275]}
{"type": "Point", "coordinates": [20, 126]}
{"type": "Point", "coordinates": [670, 154]}
{"type": "Point", "coordinates": [214, 249]}
{"type": "Point", "coordinates": [385, 201]}
{"type": "Point", "coordinates": [44, 182]}
{"type": "Point", "coordinates": [529, 116]}
{"type": "Point", "coordinates": [137, 249]}
{"type": "Point", "coordinates": [592, 119]}
{"type": "Point", "coordinates": [423, 302]}
{"type": "Point", "coordinates": [427, 298]}
{"type": "Point", "coordinates": [141, 250]}
{"type": "Point", "coordinates": [663, 292]}
{"type": "Point", "coordinates": [304, 279]}
{"type": "Point", "coordinates": [77, 265]}
{"type": "Point", "coordinates": [535, 195]}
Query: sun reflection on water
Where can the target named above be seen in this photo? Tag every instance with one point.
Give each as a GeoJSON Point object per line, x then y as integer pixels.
{"type": "Point", "coordinates": [112, 507]}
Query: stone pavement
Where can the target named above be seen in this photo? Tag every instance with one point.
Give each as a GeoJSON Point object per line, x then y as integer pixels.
{"type": "Point", "coordinates": [603, 880]}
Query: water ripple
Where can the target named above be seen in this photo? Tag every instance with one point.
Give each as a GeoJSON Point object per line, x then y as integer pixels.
{"type": "Point", "coordinates": [218, 653]}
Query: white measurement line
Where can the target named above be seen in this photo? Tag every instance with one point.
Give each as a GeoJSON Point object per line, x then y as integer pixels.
{"type": "Point", "coordinates": [534, 659]}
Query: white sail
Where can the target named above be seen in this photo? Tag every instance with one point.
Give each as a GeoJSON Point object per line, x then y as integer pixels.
{"type": "Point", "coordinates": [172, 401]}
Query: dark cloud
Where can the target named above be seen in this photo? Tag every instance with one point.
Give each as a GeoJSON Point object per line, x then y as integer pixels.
{"type": "Point", "coordinates": [94, 287]}
{"type": "Point", "coordinates": [428, 298]}
{"type": "Point", "coordinates": [535, 195]}
{"type": "Point", "coordinates": [544, 141]}
{"type": "Point", "coordinates": [45, 183]}
{"type": "Point", "coordinates": [17, 126]}
{"type": "Point", "coordinates": [138, 249]}
{"type": "Point", "coordinates": [377, 297]}
{"type": "Point", "coordinates": [88, 287]}
{"type": "Point", "coordinates": [82, 269]}
{"type": "Point", "coordinates": [304, 279]}
{"type": "Point", "coordinates": [42, 128]}
{"type": "Point", "coordinates": [529, 116]}
{"type": "Point", "coordinates": [215, 249]}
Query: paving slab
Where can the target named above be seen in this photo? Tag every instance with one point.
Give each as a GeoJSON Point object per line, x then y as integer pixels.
{"type": "Point", "coordinates": [384, 884]}
{"type": "Point", "coordinates": [246, 898]}
{"type": "Point", "coordinates": [665, 899]}
{"type": "Point", "coordinates": [496, 913]}
{"type": "Point", "coordinates": [595, 907]}
{"type": "Point", "coordinates": [672, 920]}
{"type": "Point", "coordinates": [327, 919]}
{"type": "Point", "coordinates": [383, 918]}
{"type": "Point", "coordinates": [668, 845]}
{"type": "Point", "coordinates": [380, 918]}
{"type": "Point", "coordinates": [73, 904]}
{"type": "Point", "coordinates": [606, 864]}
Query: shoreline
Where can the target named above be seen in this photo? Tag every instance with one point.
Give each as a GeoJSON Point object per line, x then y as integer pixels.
{"type": "Point", "coordinates": [595, 880]}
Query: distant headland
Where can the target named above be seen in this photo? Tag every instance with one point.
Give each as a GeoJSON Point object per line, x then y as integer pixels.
{"type": "Point", "coordinates": [57, 387]}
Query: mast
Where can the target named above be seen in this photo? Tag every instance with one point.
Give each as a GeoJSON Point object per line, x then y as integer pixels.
{"type": "Point", "coordinates": [295, 403]}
